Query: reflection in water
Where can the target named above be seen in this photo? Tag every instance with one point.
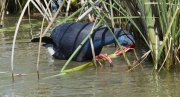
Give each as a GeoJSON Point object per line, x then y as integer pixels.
{"type": "Point", "coordinates": [103, 82]}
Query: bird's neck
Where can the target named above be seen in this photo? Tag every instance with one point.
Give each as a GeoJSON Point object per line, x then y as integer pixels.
{"type": "Point", "coordinates": [104, 41]}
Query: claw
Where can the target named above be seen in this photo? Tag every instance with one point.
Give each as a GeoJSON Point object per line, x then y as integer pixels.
{"type": "Point", "coordinates": [118, 52]}
{"type": "Point", "coordinates": [100, 56]}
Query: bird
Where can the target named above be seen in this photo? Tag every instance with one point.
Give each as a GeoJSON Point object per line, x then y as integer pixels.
{"type": "Point", "coordinates": [65, 38]}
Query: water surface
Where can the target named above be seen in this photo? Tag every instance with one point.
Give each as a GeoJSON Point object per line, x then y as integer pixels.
{"type": "Point", "coordinates": [89, 82]}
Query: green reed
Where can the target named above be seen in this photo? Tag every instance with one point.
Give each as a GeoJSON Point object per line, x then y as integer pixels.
{"type": "Point", "coordinates": [161, 25]}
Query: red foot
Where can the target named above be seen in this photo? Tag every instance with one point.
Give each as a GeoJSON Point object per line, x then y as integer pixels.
{"type": "Point", "coordinates": [100, 56]}
{"type": "Point", "coordinates": [118, 52]}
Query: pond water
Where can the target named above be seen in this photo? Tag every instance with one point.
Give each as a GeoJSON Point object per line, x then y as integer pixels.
{"type": "Point", "coordinates": [89, 82]}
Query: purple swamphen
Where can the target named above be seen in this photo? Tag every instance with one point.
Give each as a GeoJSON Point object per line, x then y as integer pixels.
{"type": "Point", "coordinates": [66, 37]}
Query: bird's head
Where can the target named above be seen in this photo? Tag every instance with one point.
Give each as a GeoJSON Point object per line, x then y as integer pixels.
{"type": "Point", "coordinates": [126, 40]}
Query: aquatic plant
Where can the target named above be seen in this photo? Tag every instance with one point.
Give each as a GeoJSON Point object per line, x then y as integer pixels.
{"type": "Point", "coordinates": [160, 21]}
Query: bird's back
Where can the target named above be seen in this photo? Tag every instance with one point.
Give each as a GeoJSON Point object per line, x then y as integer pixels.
{"type": "Point", "coordinates": [68, 36]}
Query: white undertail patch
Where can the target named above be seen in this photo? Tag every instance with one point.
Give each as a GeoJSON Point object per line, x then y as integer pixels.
{"type": "Point", "coordinates": [51, 50]}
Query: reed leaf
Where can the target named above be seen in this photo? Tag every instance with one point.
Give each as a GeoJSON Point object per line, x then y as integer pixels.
{"type": "Point", "coordinates": [166, 35]}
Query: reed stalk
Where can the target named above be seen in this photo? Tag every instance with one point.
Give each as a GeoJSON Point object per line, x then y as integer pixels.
{"type": "Point", "coordinates": [3, 4]}
{"type": "Point", "coordinates": [166, 37]}
{"type": "Point", "coordinates": [112, 14]}
{"type": "Point", "coordinates": [160, 19]}
{"type": "Point", "coordinates": [150, 27]}
{"type": "Point", "coordinates": [92, 46]}
{"type": "Point", "coordinates": [166, 11]}
{"type": "Point", "coordinates": [15, 35]}
{"type": "Point", "coordinates": [67, 9]}
{"type": "Point", "coordinates": [39, 49]}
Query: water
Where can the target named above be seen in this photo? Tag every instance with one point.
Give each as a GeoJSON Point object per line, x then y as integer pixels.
{"type": "Point", "coordinates": [89, 82]}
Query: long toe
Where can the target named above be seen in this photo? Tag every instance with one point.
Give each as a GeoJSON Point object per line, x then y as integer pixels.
{"type": "Point", "coordinates": [105, 56]}
{"type": "Point", "coordinates": [118, 52]}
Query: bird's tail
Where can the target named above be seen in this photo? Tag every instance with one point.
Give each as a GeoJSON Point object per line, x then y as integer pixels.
{"type": "Point", "coordinates": [45, 39]}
